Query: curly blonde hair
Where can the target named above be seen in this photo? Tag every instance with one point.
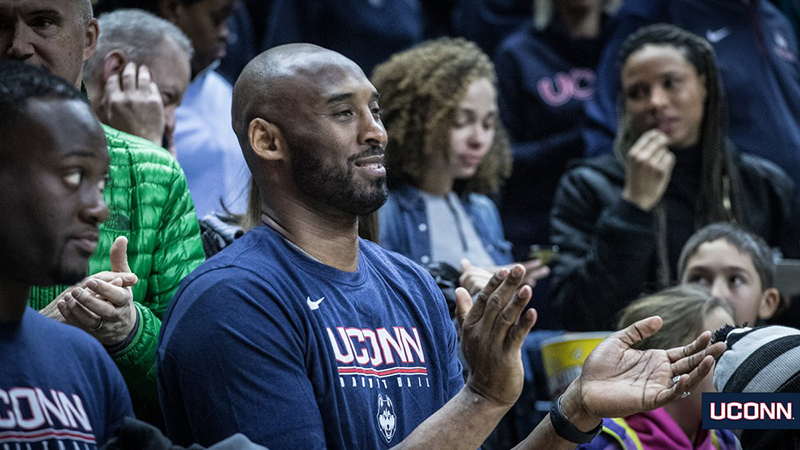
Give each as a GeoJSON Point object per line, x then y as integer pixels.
{"type": "Point", "coordinates": [420, 92]}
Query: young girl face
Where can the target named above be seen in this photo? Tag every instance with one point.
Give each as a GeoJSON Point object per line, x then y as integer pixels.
{"type": "Point", "coordinates": [473, 132]}
{"type": "Point", "coordinates": [662, 90]}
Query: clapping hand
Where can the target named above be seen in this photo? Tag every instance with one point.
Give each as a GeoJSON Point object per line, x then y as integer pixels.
{"type": "Point", "coordinates": [103, 305]}
{"type": "Point", "coordinates": [618, 381]}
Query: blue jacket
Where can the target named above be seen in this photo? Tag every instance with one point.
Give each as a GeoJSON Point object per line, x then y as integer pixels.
{"type": "Point", "coordinates": [757, 54]}
{"type": "Point", "coordinates": [404, 225]}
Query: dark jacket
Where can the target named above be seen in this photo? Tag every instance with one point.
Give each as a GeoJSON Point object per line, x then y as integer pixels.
{"type": "Point", "coordinates": [759, 64]}
{"type": "Point", "coordinates": [608, 245]}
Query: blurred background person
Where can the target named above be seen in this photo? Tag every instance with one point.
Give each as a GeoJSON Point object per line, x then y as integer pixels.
{"type": "Point", "coordinates": [621, 220]}
{"type": "Point", "coordinates": [446, 153]}
{"type": "Point", "coordinates": [546, 72]}
{"type": "Point", "coordinates": [757, 54]}
{"type": "Point", "coordinates": [137, 51]}
{"type": "Point", "coordinates": [206, 147]}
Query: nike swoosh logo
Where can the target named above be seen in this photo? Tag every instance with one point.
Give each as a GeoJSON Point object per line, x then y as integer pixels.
{"type": "Point", "coordinates": [314, 304]}
{"type": "Point", "coordinates": [716, 36]}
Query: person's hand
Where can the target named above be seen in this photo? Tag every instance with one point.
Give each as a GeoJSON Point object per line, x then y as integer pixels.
{"type": "Point", "coordinates": [650, 165]}
{"type": "Point", "coordinates": [133, 104]}
{"type": "Point", "coordinates": [474, 278]}
{"type": "Point", "coordinates": [618, 381]}
{"type": "Point", "coordinates": [105, 309]}
{"type": "Point", "coordinates": [492, 332]}
{"type": "Point", "coordinates": [52, 310]}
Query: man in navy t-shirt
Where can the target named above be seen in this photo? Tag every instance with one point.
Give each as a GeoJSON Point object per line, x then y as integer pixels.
{"type": "Point", "coordinates": [302, 335]}
{"type": "Point", "coordinates": [58, 386]}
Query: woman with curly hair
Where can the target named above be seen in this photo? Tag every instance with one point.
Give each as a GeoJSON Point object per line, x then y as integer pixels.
{"type": "Point", "coordinates": [620, 221]}
{"type": "Point", "coordinates": [447, 151]}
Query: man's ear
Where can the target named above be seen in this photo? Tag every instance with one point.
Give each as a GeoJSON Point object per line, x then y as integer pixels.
{"type": "Point", "coordinates": [113, 64]}
{"type": "Point", "coordinates": [90, 39]}
{"type": "Point", "coordinates": [770, 299]}
{"type": "Point", "coordinates": [266, 140]}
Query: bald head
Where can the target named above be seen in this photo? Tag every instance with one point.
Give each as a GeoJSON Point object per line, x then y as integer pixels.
{"type": "Point", "coordinates": [274, 81]}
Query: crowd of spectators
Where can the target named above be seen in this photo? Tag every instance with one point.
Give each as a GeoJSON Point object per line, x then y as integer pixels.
{"type": "Point", "coordinates": [334, 223]}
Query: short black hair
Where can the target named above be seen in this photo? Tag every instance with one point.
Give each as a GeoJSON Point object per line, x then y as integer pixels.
{"type": "Point", "coordinates": [21, 82]}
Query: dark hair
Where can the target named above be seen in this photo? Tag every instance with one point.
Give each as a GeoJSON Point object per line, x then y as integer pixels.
{"type": "Point", "coordinates": [420, 92]}
{"type": "Point", "coordinates": [151, 6]}
{"type": "Point", "coordinates": [21, 82]}
{"type": "Point", "coordinates": [750, 244]}
{"type": "Point", "coordinates": [720, 186]}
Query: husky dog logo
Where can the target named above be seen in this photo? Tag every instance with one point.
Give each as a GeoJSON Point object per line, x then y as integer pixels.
{"type": "Point", "coordinates": [386, 417]}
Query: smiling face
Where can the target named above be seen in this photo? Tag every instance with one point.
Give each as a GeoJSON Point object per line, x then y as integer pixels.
{"type": "Point", "coordinates": [474, 129]}
{"type": "Point", "coordinates": [336, 138]}
{"type": "Point", "coordinates": [730, 275]}
{"type": "Point", "coordinates": [48, 34]}
{"type": "Point", "coordinates": [53, 194]}
{"type": "Point", "coordinates": [662, 90]}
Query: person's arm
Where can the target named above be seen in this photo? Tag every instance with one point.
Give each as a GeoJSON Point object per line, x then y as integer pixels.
{"type": "Point", "coordinates": [616, 380]}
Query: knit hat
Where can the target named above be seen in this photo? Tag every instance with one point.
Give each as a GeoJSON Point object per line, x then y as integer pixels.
{"type": "Point", "coordinates": [762, 359]}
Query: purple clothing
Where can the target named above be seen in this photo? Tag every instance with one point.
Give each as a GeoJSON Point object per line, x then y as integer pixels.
{"type": "Point", "coordinates": [656, 430]}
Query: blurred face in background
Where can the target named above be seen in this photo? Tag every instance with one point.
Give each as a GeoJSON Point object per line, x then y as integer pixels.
{"type": "Point", "coordinates": [205, 23]}
{"type": "Point", "coordinates": [663, 91]}
{"type": "Point", "coordinates": [473, 131]}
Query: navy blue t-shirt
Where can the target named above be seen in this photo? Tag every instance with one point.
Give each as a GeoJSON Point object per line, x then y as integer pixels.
{"type": "Point", "coordinates": [59, 389]}
{"type": "Point", "coordinates": [264, 340]}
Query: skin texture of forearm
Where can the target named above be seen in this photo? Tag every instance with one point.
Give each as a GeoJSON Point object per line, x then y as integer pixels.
{"type": "Point", "coordinates": [544, 435]}
{"type": "Point", "coordinates": [463, 423]}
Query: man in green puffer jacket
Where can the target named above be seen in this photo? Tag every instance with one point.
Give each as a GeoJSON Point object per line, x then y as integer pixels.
{"type": "Point", "coordinates": [148, 200]}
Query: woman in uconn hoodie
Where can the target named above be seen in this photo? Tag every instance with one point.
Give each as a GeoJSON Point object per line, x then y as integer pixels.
{"type": "Point", "coordinates": [621, 220]}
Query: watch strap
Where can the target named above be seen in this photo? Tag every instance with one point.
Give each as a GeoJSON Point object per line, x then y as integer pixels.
{"type": "Point", "coordinates": [566, 429]}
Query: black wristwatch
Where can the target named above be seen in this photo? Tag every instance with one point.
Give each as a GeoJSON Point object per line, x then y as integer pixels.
{"type": "Point", "coordinates": [566, 429]}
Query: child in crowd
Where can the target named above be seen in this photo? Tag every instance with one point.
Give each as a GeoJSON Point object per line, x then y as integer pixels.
{"type": "Point", "coordinates": [736, 266]}
{"type": "Point", "coordinates": [686, 312]}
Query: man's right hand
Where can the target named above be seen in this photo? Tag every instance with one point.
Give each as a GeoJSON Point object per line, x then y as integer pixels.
{"type": "Point", "coordinates": [492, 332]}
{"type": "Point", "coordinates": [133, 104]}
{"type": "Point", "coordinates": [649, 170]}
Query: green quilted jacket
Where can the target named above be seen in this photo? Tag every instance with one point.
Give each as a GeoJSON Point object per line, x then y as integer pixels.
{"type": "Point", "coordinates": [149, 204]}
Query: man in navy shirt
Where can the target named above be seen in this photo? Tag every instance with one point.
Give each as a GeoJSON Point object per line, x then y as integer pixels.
{"type": "Point", "coordinates": [58, 386]}
{"type": "Point", "coordinates": [302, 335]}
